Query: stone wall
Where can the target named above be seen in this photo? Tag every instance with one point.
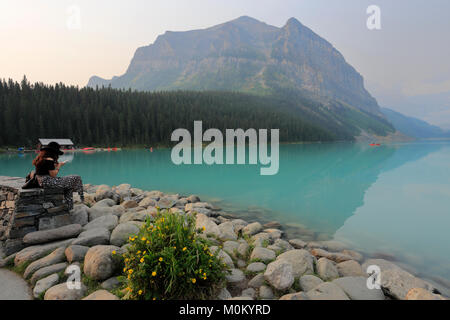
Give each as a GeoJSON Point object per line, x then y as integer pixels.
{"type": "Point", "coordinates": [23, 211]}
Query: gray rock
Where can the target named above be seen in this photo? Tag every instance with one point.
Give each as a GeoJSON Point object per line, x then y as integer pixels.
{"type": "Point", "coordinates": [262, 254]}
{"type": "Point", "coordinates": [397, 282]}
{"type": "Point", "coordinates": [65, 232]}
{"type": "Point", "coordinates": [334, 256]}
{"type": "Point", "coordinates": [227, 231]}
{"type": "Point", "coordinates": [241, 263]}
{"type": "Point", "coordinates": [55, 257]}
{"type": "Point", "coordinates": [309, 282]}
{"type": "Point", "coordinates": [79, 214]}
{"type": "Point", "coordinates": [272, 224]}
{"type": "Point", "coordinates": [295, 296]}
{"type": "Point", "coordinates": [44, 284]}
{"type": "Point", "coordinates": [104, 192]}
{"type": "Point", "coordinates": [265, 292]}
{"type": "Point", "coordinates": [76, 253]}
{"type": "Point", "coordinates": [349, 268]}
{"type": "Point", "coordinates": [33, 253]}
{"type": "Point", "coordinates": [243, 249]}
{"type": "Point", "coordinates": [224, 257]}
{"type": "Point", "coordinates": [46, 271]}
{"type": "Point", "coordinates": [100, 263]}
{"type": "Point", "coordinates": [355, 255]}
{"type": "Point", "coordinates": [236, 278]}
{"type": "Point", "coordinates": [274, 233]}
{"type": "Point", "coordinates": [381, 263]}
{"type": "Point", "coordinates": [62, 292]}
{"type": "Point", "coordinates": [105, 207]}
{"type": "Point", "coordinates": [167, 202]}
{"type": "Point", "coordinates": [279, 274]}
{"type": "Point", "coordinates": [261, 239]}
{"type": "Point", "coordinates": [93, 237]}
{"type": "Point", "coordinates": [283, 244]}
{"type": "Point", "coordinates": [147, 202]}
{"type": "Point", "coordinates": [256, 281]}
{"type": "Point", "coordinates": [193, 199]}
{"type": "Point", "coordinates": [297, 243]}
{"type": "Point", "coordinates": [224, 294]}
{"type": "Point", "coordinates": [129, 204]}
{"type": "Point", "coordinates": [231, 247]}
{"type": "Point", "coordinates": [422, 294]}
{"type": "Point", "coordinates": [326, 269]}
{"type": "Point", "coordinates": [122, 232]}
{"type": "Point", "coordinates": [249, 292]}
{"type": "Point", "coordinates": [256, 267]}
{"type": "Point", "coordinates": [327, 291]}
{"type": "Point", "coordinates": [252, 228]}
{"type": "Point", "coordinates": [101, 295]}
{"type": "Point", "coordinates": [111, 283]}
{"type": "Point", "coordinates": [211, 228]}
{"type": "Point", "coordinates": [302, 261]}
{"type": "Point", "coordinates": [356, 288]}
{"type": "Point", "coordinates": [109, 222]}
{"type": "Point", "coordinates": [136, 216]}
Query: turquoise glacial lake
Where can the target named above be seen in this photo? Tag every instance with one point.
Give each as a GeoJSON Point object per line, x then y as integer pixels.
{"type": "Point", "coordinates": [388, 201]}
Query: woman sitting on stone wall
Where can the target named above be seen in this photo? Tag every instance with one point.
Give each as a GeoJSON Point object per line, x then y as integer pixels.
{"type": "Point", "coordinates": [47, 167]}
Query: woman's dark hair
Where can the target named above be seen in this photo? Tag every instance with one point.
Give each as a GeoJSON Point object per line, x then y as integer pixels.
{"type": "Point", "coordinates": [42, 155]}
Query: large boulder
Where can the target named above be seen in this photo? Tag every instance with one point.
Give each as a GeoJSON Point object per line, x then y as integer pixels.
{"type": "Point", "coordinates": [79, 214]}
{"type": "Point", "coordinates": [396, 283]}
{"type": "Point", "coordinates": [356, 288]}
{"type": "Point", "coordinates": [302, 261]}
{"type": "Point", "coordinates": [252, 228]}
{"type": "Point", "coordinates": [123, 191]}
{"type": "Point", "coordinates": [101, 263]}
{"type": "Point", "coordinates": [297, 243]}
{"type": "Point", "coordinates": [147, 202]}
{"type": "Point", "coordinates": [129, 204]}
{"type": "Point", "coordinates": [279, 274]}
{"type": "Point", "coordinates": [76, 253]}
{"type": "Point", "coordinates": [349, 268]}
{"type": "Point", "coordinates": [122, 232]}
{"type": "Point", "coordinates": [236, 278]}
{"type": "Point", "coordinates": [108, 221]}
{"type": "Point", "coordinates": [326, 269]}
{"type": "Point", "coordinates": [227, 231]}
{"type": "Point", "coordinates": [327, 291]}
{"type": "Point", "coordinates": [142, 215]}
{"type": "Point", "coordinates": [262, 254]}
{"type": "Point", "coordinates": [256, 267]}
{"type": "Point", "coordinates": [93, 237]}
{"type": "Point", "coordinates": [55, 257]}
{"type": "Point", "coordinates": [33, 253]}
{"type": "Point", "coordinates": [422, 294]}
{"type": "Point", "coordinates": [44, 284]}
{"type": "Point", "coordinates": [101, 295]}
{"type": "Point", "coordinates": [62, 292]}
{"type": "Point", "coordinates": [65, 232]}
{"type": "Point", "coordinates": [105, 192]}
{"type": "Point", "coordinates": [105, 207]}
{"type": "Point", "coordinates": [48, 270]}
{"type": "Point", "coordinates": [257, 281]}
{"type": "Point", "coordinates": [210, 227]}
{"type": "Point", "coordinates": [309, 282]}
{"type": "Point", "coordinates": [334, 256]}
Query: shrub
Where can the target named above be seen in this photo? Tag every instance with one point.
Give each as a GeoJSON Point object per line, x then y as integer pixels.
{"type": "Point", "coordinates": [168, 259]}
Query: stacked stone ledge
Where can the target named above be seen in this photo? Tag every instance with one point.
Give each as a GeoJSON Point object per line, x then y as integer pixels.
{"type": "Point", "coordinates": [27, 210]}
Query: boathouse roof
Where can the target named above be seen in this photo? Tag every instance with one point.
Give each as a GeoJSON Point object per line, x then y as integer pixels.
{"type": "Point", "coordinates": [61, 142]}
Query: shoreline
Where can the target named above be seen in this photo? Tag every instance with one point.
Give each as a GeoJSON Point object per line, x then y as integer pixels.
{"type": "Point", "coordinates": [318, 270]}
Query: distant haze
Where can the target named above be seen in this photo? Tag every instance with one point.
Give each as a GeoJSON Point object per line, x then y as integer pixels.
{"type": "Point", "coordinates": [408, 57]}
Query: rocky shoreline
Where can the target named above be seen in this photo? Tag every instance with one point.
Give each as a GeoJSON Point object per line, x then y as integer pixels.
{"type": "Point", "coordinates": [264, 263]}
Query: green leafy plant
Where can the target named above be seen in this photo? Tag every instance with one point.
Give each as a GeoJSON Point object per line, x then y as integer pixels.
{"type": "Point", "coordinates": [170, 259]}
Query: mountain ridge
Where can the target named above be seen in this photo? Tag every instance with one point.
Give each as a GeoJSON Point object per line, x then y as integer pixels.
{"type": "Point", "coordinates": [250, 56]}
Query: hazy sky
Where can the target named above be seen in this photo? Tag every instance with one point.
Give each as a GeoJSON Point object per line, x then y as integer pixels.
{"type": "Point", "coordinates": [409, 56]}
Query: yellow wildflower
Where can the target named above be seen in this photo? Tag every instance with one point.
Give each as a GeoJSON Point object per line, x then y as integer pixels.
{"type": "Point", "coordinates": [148, 242]}
{"type": "Point", "coordinates": [140, 292]}
{"type": "Point", "coordinates": [194, 280]}
{"type": "Point", "coordinates": [142, 260]}
{"type": "Point", "coordinates": [130, 271]}
{"type": "Point", "coordinates": [113, 252]}
{"type": "Point", "coordinates": [154, 273]}
{"type": "Point", "coordinates": [184, 249]}
{"type": "Point", "coordinates": [160, 259]}
{"type": "Point", "coordinates": [143, 238]}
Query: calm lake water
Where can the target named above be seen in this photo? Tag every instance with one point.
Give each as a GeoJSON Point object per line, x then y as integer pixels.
{"type": "Point", "coordinates": [392, 200]}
